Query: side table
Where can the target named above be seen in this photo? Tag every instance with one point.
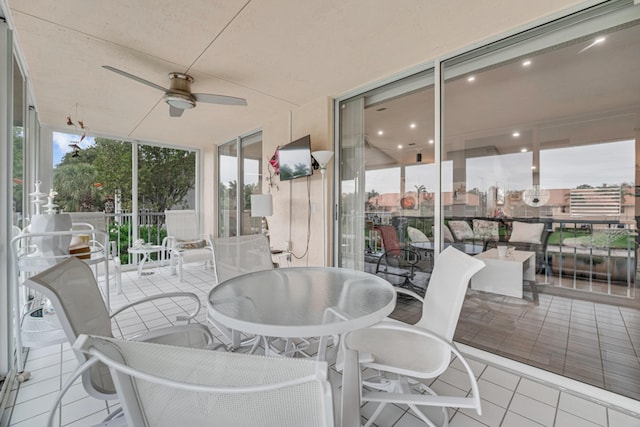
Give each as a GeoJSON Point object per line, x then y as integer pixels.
{"type": "Point", "coordinates": [145, 251]}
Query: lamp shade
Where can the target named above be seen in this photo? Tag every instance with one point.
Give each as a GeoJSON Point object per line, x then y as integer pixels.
{"type": "Point", "coordinates": [261, 205]}
{"type": "Point", "coordinates": [322, 157]}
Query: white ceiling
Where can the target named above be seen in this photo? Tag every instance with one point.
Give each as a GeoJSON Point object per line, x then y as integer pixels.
{"type": "Point", "coordinates": [278, 54]}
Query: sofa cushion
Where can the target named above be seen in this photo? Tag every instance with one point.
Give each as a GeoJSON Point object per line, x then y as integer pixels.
{"type": "Point", "coordinates": [486, 230]}
{"type": "Point", "coordinates": [524, 232]}
{"type": "Point", "coordinates": [461, 230]}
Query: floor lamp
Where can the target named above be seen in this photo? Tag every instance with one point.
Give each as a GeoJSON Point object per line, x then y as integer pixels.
{"type": "Point", "coordinates": [323, 157]}
{"type": "Point", "coordinates": [262, 206]}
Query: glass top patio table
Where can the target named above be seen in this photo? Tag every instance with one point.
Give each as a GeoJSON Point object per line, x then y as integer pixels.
{"type": "Point", "coordinates": [301, 301]}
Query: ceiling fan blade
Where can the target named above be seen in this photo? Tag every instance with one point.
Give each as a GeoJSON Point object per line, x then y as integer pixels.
{"type": "Point", "coordinates": [175, 112]}
{"type": "Point", "coordinates": [136, 78]}
{"type": "Point", "coordinates": [219, 99]}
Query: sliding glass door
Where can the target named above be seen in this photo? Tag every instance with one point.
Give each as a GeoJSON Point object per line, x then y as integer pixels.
{"type": "Point", "coordinates": [387, 169]}
{"type": "Point", "coordinates": [239, 176]}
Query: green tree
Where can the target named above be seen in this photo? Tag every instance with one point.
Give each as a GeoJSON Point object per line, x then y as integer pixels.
{"type": "Point", "coordinates": [18, 169]}
{"type": "Point", "coordinates": [113, 162]}
{"type": "Point", "coordinates": [165, 176]}
{"type": "Point", "coordinates": [75, 184]}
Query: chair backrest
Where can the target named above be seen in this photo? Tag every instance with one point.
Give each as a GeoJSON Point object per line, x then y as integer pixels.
{"type": "Point", "coordinates": [170, 386]}
{"type": "Point", "coordinates": [447, 287]}
{"type": "Point", "coordinates": [416, 235]}
{"type": "Point", "coordinates": [233, 256]}
{"type": "Point", "coordinates": [390, 239]}
{"type": "Point", "coordinates": [82, 221]}
{"type": "Point", "coordinates": [78, 304]}
{"type": "Point", "coordinates": [182, 224]}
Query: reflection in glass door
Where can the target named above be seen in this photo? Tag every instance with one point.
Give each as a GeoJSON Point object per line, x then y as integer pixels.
{"type": "Point", "coordinates": [387, 173]}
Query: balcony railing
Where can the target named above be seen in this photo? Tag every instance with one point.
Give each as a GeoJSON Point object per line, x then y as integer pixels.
{"type": "Point", "coordinates": [589, 255]}
{"type": "Point", "coordinates": [151, 229]}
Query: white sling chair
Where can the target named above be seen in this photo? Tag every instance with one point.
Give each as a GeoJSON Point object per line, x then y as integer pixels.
{"type": "Point", "coordinates": [403, 352]}
{"type": "Point", "coordinates": [98, 221]}
{"type": "Point", "coordinates": [161, 385]}
{"type": "Point", "coordinates": [184, 241]}
{"type": "Point", "coordinates": [233, 256]}
{"type": "Point", "coordinates": [78, 304]}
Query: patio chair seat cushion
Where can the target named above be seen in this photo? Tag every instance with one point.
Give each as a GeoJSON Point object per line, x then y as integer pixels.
{"type": "Point", "coordinates": [191, 244]}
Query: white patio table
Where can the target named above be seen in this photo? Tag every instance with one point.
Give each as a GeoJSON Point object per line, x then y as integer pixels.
{"type": "Point", "coordinates": [299, 302]}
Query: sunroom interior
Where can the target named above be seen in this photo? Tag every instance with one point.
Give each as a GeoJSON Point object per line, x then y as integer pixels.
{"type": "Point", "coordinates": [481, 121]}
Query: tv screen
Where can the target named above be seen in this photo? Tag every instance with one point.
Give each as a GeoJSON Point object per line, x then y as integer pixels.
{"type": "Point", "coordinates": [294, 159]}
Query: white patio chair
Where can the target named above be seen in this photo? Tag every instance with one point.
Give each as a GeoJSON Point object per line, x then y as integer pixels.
{"type": "Point", "coordinates": [233, 256]}
{"type": "Point", "coordinates": [405, 354]}
{"type": "Point", "coordinates": [74, 295]}
{"type": "Point", "coordinates": [184, 241]}
{"type": "Point", "coordinates": [160, 385]}
{"type": "Point", "coordinates": [98, 221]}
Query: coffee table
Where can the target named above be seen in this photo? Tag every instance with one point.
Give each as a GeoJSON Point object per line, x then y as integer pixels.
{"type": "Point", "coordinates": [506, 275]}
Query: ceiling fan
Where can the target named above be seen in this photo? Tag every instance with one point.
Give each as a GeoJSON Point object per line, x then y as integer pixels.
{"type": "Point", "coordinates": [536, 196]}
{"type": "Point", "coordinates": [179, 95]}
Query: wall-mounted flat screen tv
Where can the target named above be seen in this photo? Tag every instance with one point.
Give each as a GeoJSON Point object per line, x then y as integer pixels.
{"type": "Point", "coordinates": [294, 159]}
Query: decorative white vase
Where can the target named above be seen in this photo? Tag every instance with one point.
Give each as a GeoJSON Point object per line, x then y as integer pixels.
{"type": "Point", "coordinates": [51, 245]}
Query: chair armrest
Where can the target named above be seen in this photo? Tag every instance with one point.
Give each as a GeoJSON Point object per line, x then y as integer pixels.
{"type": "Point", "coordinates": [168, 242]}
{"type": "Point", "coordinates": [191, 295]}
{"type": "Point", "coordinates": [409, 292]}
{"type": "Point", "coordinates": [412, 260]}
{"type": "Point", "coordinates": [472, 401]}
{"type": "Point", "coordinates": [180, 330]}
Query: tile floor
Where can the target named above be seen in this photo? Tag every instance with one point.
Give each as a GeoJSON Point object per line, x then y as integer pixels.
{"type": "Point", "coordinates": [512, 394]}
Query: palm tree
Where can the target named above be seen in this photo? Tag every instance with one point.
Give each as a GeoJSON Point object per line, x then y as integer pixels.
{"type": "Point", "coordinates": [74, 183]}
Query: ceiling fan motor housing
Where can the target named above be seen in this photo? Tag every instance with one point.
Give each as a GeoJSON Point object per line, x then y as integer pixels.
{"type": "Point", "coordinates": [179, 95]}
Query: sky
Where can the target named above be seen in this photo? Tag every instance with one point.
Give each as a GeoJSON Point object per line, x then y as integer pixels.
{"type": "Point", "coordinates": [569, 167]}
{"type": "Point", "coordinates": [61, 143]}
{"type": "Point", "coordinates": [229, 170]}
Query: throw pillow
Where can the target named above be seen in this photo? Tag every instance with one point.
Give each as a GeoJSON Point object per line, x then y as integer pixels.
{"type": "Point", "coordinates": [524, 232]}
{"type": "Point", "coordinates": [486, 230]}
{"type": "Point", "coordinates": [191, 244]}
{"type": "Point", "coordinates": [461, 230]}
{"type": "Point", "coordinates": [416, 235]}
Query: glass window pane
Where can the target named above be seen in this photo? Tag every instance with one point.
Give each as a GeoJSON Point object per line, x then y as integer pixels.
{"type": "Point", "coordinates": [252, 180]}
{"type": "Point", "coordinates": [227, 190]}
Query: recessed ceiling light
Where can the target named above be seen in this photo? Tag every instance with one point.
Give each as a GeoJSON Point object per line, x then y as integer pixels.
{"type": "Point", "coordinates": [523, 150]}
{"type": "Point", "coordinates": [516, 134]}
{"type": "Point", "coordinates": [526, 63]}
{"type": "Point", "coordinates": [412, 125]}
{"type": "Point", "coordinates": [471, 79]}
{"type": "Point", "coordinates": [431, 141]}
{"type": "Point", "coordinates": [399, 146]}
{"type": "Point", "coordinates": [380, 132]}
